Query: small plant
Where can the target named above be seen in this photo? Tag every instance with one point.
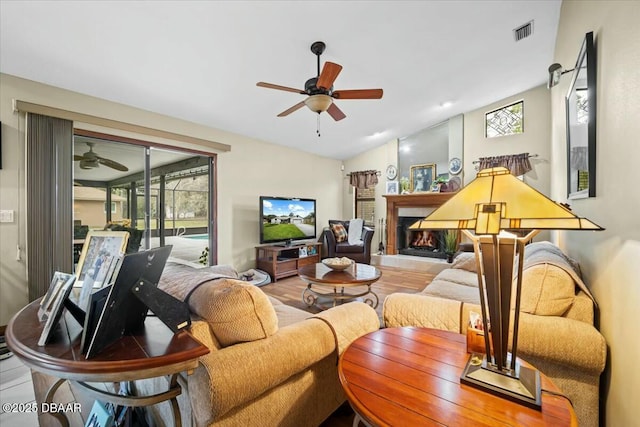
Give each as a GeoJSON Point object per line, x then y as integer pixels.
{"type": "Point", "coordinates": [404, 184]}
{"type": "Point", "coordinates": [451, 241]}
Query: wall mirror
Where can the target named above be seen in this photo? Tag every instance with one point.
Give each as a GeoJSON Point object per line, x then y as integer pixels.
{"type": "Point", "coordinates": [581, 124]}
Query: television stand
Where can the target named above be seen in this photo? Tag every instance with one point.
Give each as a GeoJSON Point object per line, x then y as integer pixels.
{"type": "Point", "coordinates": [287, 244]}
{"type": "Point", "coordinates": [284, 261]}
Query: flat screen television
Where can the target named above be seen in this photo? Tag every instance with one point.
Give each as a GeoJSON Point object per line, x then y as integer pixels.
{"type": "Point", "coordinates": [285, 219]}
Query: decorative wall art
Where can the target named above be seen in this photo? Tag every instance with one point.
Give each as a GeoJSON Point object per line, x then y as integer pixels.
{"type": "Point", "coordinates": [422, 177]}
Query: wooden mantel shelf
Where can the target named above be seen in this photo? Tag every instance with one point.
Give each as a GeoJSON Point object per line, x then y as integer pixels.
{"type": "Point", "coordinates": [414, 200]}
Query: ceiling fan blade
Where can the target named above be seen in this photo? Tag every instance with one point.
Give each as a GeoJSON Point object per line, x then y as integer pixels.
{"type": "Point", "coordinates": [112, 164]}
{"type": "Point", "coordinates": [328, 75]}
{"type": "Point", "coordinates": [358, 94]}
{"type": "Point", "coordinates": [76, 158]}
{"type": "Point", "coordinates": [288, 111]}
{"type": "Point", "coordinates": [278, 87]}
{"type": "Point", "coordinates": [335, 112]}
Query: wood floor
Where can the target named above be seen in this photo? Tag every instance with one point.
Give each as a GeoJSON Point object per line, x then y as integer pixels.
{"type": "Point", "coordinates": [393, 279]}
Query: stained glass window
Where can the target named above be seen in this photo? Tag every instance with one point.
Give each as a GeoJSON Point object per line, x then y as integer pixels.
{"type": "Point", "coordinates": [508, 120]}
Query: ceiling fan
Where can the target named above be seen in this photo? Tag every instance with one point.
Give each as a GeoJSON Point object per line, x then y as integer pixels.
{"type": "Point", "coordinates": [90, 160]}
{"type": "Point", "coordinates": [319, 90]}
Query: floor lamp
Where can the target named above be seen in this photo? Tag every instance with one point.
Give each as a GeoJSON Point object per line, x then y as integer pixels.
{"type": "Point", "coordinates": [492, 204]}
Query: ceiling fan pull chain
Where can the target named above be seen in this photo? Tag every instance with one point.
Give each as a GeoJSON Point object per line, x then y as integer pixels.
{"type": "Point", "coordinates": [318, 126]}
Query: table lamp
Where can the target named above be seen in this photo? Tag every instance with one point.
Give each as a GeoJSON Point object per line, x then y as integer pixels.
{"type": "Point", "coordinates": [492, 204]}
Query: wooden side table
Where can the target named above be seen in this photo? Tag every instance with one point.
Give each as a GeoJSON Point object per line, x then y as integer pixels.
{"type": "Point", "coordinates": [153, 352]}
{"type": "Point", "coordinates": [411, 376]}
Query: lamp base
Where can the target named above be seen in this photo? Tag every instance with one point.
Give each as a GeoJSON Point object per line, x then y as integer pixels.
{"type": "Point", "coordinates": [521, 386]}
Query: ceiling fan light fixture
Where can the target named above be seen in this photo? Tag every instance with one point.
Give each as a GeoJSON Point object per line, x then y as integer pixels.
{"type": "Point", "coordinates": [318, 103]}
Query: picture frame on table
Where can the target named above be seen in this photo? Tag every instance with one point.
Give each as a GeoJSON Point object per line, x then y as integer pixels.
{"type": "Point", "coordinates": [101, 252]}
{"type": "Point", "coordinates": [421, 177]}
{"type": "Point", "coordinates": [57, 282]}
{"type": "Point", "coordinates": [55, 312]}
{"type": "Point", "coordinates": [393, 187]}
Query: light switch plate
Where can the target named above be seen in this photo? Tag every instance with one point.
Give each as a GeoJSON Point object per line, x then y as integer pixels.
{"type": "Point", "coordinates": [6, 215]}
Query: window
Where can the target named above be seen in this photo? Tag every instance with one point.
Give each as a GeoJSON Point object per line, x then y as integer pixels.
{"type": "Point", "coordinates": [113, 207]}
{"type": "Point", "coordinates": [366, 205]}
{"type": "Point", "coordinates": [508, 120]}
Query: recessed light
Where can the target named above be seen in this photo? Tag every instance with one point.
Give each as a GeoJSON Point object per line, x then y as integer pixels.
{"type": "Point", "coordinates": [446, 104]}
{"type": "Point", "coordinates": [377, 134]}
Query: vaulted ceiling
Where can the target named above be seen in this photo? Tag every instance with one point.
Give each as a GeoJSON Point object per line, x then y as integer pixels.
{"type": "Point", "coordinates": [200, 61]}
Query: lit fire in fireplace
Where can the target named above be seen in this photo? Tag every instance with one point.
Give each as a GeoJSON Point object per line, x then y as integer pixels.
{"type": "Point", "coordinates": [424, 238]}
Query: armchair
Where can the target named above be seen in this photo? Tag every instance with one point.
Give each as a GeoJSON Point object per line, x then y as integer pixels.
{"type": "Point", "coordinates": [359, 253]}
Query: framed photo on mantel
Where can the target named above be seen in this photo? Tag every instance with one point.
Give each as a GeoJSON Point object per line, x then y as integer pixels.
{"type": "Point", "coordinates": [421, 177]}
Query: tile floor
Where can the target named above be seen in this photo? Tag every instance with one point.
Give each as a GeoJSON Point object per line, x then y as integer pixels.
{"type": "Point", "coordinates": [16, 387]}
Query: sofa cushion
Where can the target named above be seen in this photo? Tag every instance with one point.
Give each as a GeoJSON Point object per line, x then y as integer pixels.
{"type": "Point", "coordinates": [236, 311]}
{"type": "Point", "coordinates": [465, 261]}
{"type": "Point", "coordinates": [340, 232]}
{"type": "Point", "coordinates": [453, 291]}
{"type": "Point", "coordinates": [547, 290]}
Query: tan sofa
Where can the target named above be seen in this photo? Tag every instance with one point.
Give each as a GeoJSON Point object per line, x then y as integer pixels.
{"type": "Point", "coordinates": [556, 332]}
{"type": "Point", "coordinates": [270, 364]}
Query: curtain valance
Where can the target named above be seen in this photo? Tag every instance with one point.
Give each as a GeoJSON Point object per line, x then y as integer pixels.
{"type": "Point", "coordinates": [518, 164]}
{"type": "Point", "coordinates": [364, 179]}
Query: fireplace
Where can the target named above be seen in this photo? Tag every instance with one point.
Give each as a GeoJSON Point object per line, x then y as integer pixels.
{"type": "Point", "coordinates": [409, 205]}
{"type": "Point", "coordinates": [425, 243]}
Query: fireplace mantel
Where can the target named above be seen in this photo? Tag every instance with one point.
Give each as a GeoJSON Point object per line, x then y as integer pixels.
{"type": "Point", "coordinates": [415, 200]}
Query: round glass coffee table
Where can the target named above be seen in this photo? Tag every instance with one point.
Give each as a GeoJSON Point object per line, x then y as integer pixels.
{"type": "Point", "coordinates": [322, 280]}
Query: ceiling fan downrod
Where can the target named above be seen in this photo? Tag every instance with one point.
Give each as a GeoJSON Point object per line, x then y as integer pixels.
{"type": "Point", "coordinates": [317, 48]}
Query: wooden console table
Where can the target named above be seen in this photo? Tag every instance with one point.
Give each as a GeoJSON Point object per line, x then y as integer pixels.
{"type": "Point", "coordinates": [153, 352]}
{"type": "Point", "coordinates": [411, 376]}
{"type": "Point", "coordinates": [284, 261]}
{"type": "Point", "coordinates": [414, 200]}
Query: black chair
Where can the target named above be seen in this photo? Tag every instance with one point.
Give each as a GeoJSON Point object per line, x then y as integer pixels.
{"type": "Point", "coordinates": [358, 253]}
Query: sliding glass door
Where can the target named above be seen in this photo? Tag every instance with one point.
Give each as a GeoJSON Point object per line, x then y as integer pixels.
{"type": "Point", "coordinates": [162, 196]}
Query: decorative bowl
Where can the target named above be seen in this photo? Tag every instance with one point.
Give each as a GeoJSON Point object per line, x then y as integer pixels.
{"type": "Point", "coordinates": [338, 263]}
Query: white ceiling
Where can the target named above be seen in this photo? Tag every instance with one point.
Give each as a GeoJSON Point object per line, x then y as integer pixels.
{"type": "Point", "coordinates": [200, 60]}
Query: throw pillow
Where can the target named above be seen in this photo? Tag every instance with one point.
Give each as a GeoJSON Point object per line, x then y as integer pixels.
{"type": "Point", "coordinates": [355, 231]}
{"type": "Point", "coordinates": [465, 261]}
{"type": "Point", "coordinates": [547, 290]}
{"type": "Point", "coordinates": [339, 232]}
{"type": "Point", "coordinates": [236, 311]}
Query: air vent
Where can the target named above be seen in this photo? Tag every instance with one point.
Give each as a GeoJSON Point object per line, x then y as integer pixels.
{"type": "Point", "coordinates": [523, 31]}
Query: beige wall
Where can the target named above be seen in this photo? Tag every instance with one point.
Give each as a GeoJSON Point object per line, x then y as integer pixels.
{"type": "Point", "coordinates": [250, 169]}
{"type": "Point", "coordinates": [534, 139]}
{"type": "Point", "coordinates": [610, 259]}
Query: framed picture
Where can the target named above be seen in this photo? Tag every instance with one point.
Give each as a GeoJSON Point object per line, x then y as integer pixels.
{"type": "Point", "coordinates": [392, 187]}
{"type": "Point", "coordinates": [57, 307]}
{"type": "Point", "coordinates": [46, 304]}
{"type": "Point", "coordinates": [97, 261]}
{"type": "Point", "coordinates": [421, 177]}
{"type": "Point", "coordinates": [455, 166]}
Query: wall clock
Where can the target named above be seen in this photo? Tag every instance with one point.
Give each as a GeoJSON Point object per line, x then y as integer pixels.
{"type": "Point", "coordinates": [392, 172]}
{"type": "Point", "coordinates": [455, 166]}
